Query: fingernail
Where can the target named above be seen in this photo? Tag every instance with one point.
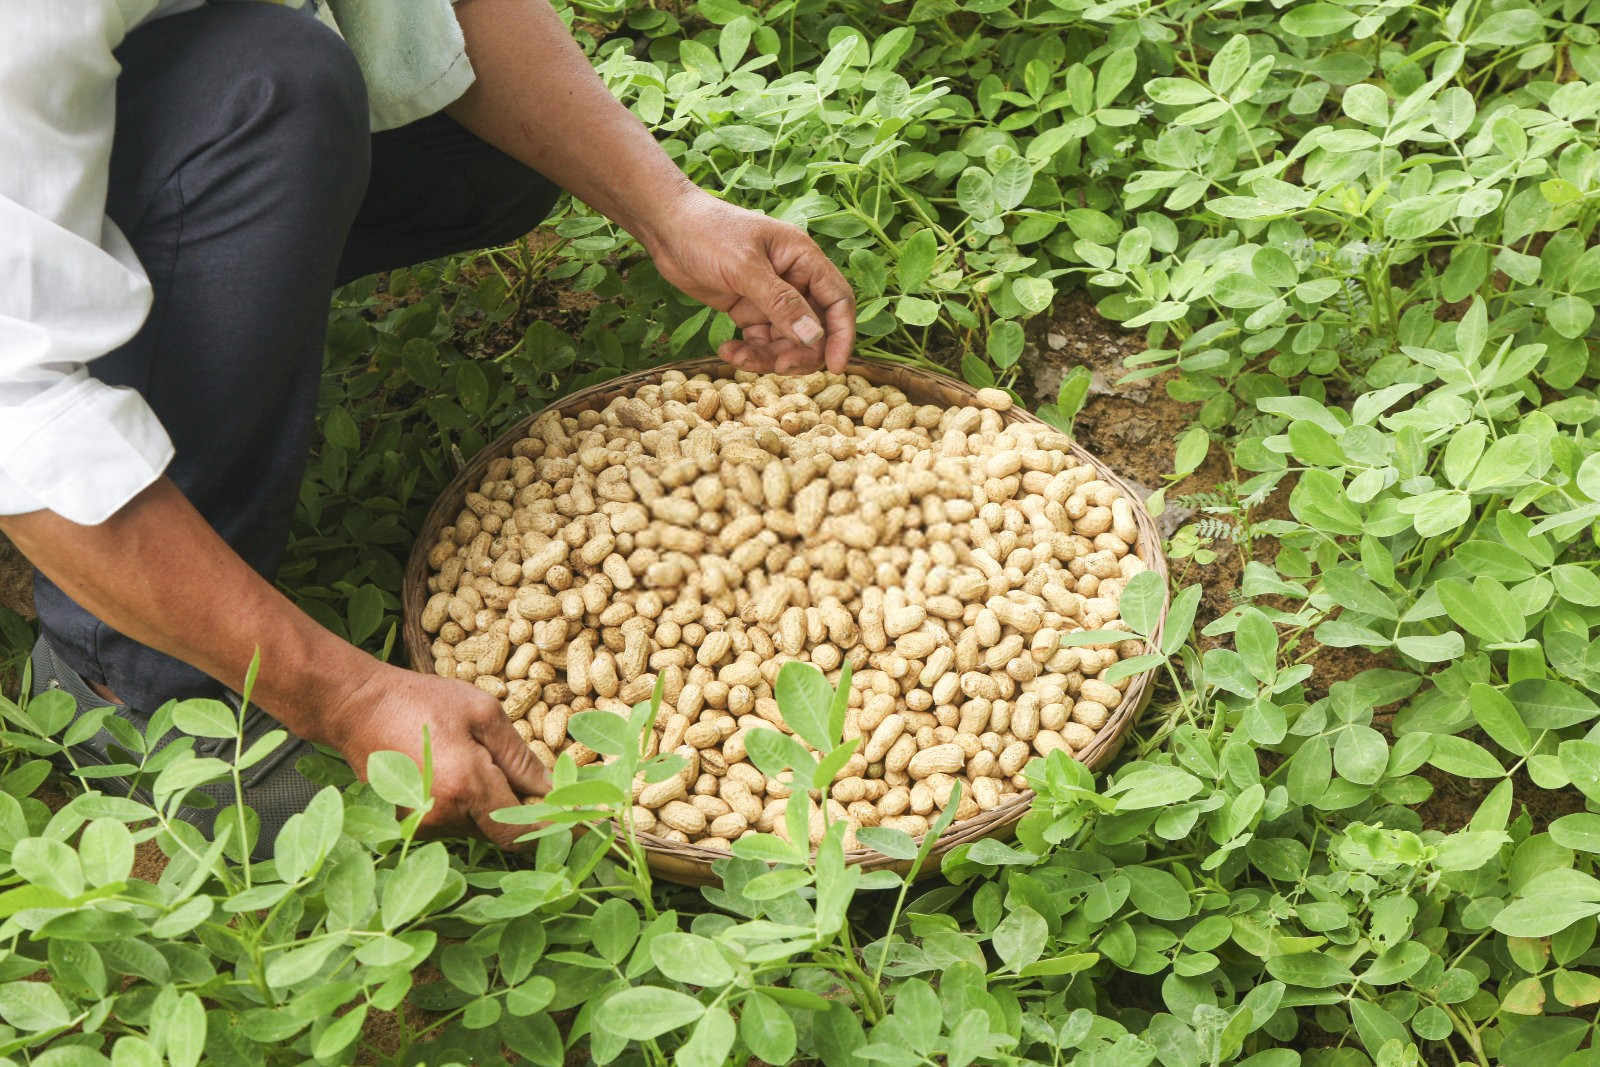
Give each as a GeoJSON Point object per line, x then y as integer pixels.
{"type": "Point", "coordinates": [808, 330]}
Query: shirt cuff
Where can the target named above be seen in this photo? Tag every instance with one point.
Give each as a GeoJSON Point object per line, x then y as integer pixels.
{"type": "Point", "coordinates": [82, 451]}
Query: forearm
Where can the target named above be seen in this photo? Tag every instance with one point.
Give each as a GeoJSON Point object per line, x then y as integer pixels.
{"type": "Point", "coordinates": [537, 98]}
{"type": "Point", "coordinates": [157, 572]}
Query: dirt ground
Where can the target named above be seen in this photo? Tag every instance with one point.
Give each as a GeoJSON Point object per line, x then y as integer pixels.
{"type": "Point", "coordinates": [16, 580]}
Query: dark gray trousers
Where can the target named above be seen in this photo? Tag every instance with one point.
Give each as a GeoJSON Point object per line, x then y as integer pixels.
{"type": "Point", "coordinates": [245, 177]}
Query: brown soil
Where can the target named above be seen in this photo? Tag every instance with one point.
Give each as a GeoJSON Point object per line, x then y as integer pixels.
{"type": "Point", "coordinates": [16, 580]}
{"type": "Point", "coordinates": [383, 1034]}
{"type": "Point", "coordinates": [1454, 800]}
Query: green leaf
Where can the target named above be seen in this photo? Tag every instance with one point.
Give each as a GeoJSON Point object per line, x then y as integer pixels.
{"type": "Point", "coordinates": [1012, 180]}
{"type": "Point", "coordinates": [1367, 103]}
{"type": "Point", "coordinates": [1005, 343]}
{"type": "Point", "coordinates": [1504, 28]}
{"type": "Point", "coordinates": [1546, 704]}
{"type": "Point", "coordinates": [1468, 850]}
{"type": "Point", "coordinates": [1034, 294]}
{"type": "Point", "coordinates": [691, 959]}
{"type": "Point", "coordinates": [1579, 831]}
{"type": "Point", "coordinates": [395, 778]}
{"type": "Point", "coordinates": [1499, 718]}
{"type": "Point", "coordinates": [1453, 111]}
{"type": "Point", "coordinates": [1468, 759]}
{"type": "Point", "coordinates": [1256, 640]}
{"type": "Point", "coordinates": [1484, 609]}
{"type": "Point", "coordinates": [1570, 316]}
{"type": "Point", "coordinates": [1153, 787]}
{"type": "Point", "coordinates": [184, 1035]}
{"type": "Point", "coordinates": [1157, 893]}
{"type": "Point", "coordinates": [896, 844]}
{"type": "Point", "coordinates": [106, 852]}
{"type": "Point", "coordinates": [1504, 463]}
{"type": "Point", "coordinates": [341, 430]}
{"type": "Point", "coordinates": [711, 1041]}
{"type": "Point", "coordinates": [613, 928]}
{"type": "Point", "coordinates": [205, 718]}
{"type": "Point", "coordinates": [1229, 64]}
{"type": "Point", "coordinates": [300, 964]}
{"type": "Point", "coordinates": [766, 1028]}
{"type": "Point", "coordinates": [1312, 970]}
{"type": "Point", "coordinates": [916, 260]}
{"type": "Point", "coordinates": [413, 884]}
{"type": "Point", "coordinates": [33, 1006]}
{"type": "Point", "coordinates": [1177, 92]}
{"type": "Point", "coordinates": [1542, 916]}
{"type": "Point", "coordinates": [1020, 938]}
{"type": "Point", "coordinates": [1180, 620]}
{"type": "Point", "coordinates": [1141, 602]}
{"type": "Point", "coordinates": [1360, 754]}
{"type": "Point", "coordinates": [1074, 391]}
{"type": "Point", "coordinates": [339, 1033]}
{"type": "Point", "coordinates": [641, 1013]}
{"type": "Point", "coordinates": [50, 864]}
{"type": "Point", "coordinates": [804, 700]}
{"type": "Point", "coordinates": [1316, 19]}
{"type": "Point", "coordinates": [365, 614]}
{"type": "Point", "coordinates": [915, 311]}
{"type": "Point", "coordinates": [607, 733]}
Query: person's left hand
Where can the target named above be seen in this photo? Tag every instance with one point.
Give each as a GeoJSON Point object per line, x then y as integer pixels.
{"type": "Point", "coordinates": [794, 310]}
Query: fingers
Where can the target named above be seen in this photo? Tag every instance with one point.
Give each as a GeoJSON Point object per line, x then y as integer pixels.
{"type": "Point", "coordinates": [800, 289]}
{"type": "Point", "coordinates": [786, 308]}
{"type": "Point", "coordinates": [516, 762]}
{"type": "Point", "coordinates": [831, 294]}
{"type": "Point", "coordinates": [498, 796]}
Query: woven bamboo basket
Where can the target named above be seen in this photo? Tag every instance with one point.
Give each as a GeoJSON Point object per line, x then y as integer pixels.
{"type": "Point", "coordinates": [691, 864]}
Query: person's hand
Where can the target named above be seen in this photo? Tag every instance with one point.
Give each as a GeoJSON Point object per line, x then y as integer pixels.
{"type": "Point", "coordinates": [795, 311]}
{"type": "Point", "coordinates": [480, 764]}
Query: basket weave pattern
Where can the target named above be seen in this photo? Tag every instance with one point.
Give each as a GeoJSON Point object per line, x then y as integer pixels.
{"type": "Point", "coordinates": [689, 863]}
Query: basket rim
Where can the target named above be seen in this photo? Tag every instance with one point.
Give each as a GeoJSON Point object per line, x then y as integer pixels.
{"type": "Point", "coordinates": [691, 863]}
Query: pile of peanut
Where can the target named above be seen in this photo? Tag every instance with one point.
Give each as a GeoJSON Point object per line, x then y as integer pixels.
{"type": "Point", "coordinates": [705, 531]}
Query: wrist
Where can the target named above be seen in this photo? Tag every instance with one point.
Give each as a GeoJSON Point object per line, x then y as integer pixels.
{"type": "Point", "coordinates": [319, 696]}
{"type": "Point", "coordinates": [655, 217]}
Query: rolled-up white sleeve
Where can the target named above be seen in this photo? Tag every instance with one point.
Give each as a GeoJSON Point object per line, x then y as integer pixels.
{"type": "Point", "coordinates": [71, 288]}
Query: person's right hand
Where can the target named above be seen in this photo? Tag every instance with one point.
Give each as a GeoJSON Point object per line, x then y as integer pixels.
{"type": "Point", "coordinates": [480, 764]}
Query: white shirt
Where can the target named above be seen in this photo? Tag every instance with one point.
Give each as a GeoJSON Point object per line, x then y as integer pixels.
{"type": "Point", "coordinates": [71, 288]}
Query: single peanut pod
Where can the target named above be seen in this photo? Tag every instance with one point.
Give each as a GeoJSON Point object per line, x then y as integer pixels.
{"type": "Point", "coordinates": [1047, 741]}
{"type": "Point", "coordinates": [884, 737]}
{"type": "Point", "coordinates": [1077, 735]}
{"type": "Point", "coordinates": [1024, 722]}
{"type": "Point", "coordinates": [554, 732]}
{"type": "Point", "coordinates": [848, 790]}
{"type": "Point", "coordinates": [655, 794]}
{"type": "Point", "coordinates": [903, 620]}
{"type": "Point", "coordinates": [682, 816]}
{"type": "Point", "coordinates": [898, 758]}
{"type": "Point", "coordinates": [1105, 693]}
{"type": "Point", "coordinates": [894, 802]}
{"type": "Point", "coordinates": [947, 758]}
{"type": "Point", "coordinates": [1090, 713]}
{"type": "Point", "coordinates": [712, 805]}
{"type": "Point", "coordinates": [1013, 758]}
{"type": "Point", "coordinates": [436, 612]}
{"type": "Point", "coordinates": [740, 799]}
{"type": "Point", "coordinates": [728, 826]}
{"type": "Point", "coordinates": [986, 793]}
{"type": "Point", "coordinates": [915, 825]}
